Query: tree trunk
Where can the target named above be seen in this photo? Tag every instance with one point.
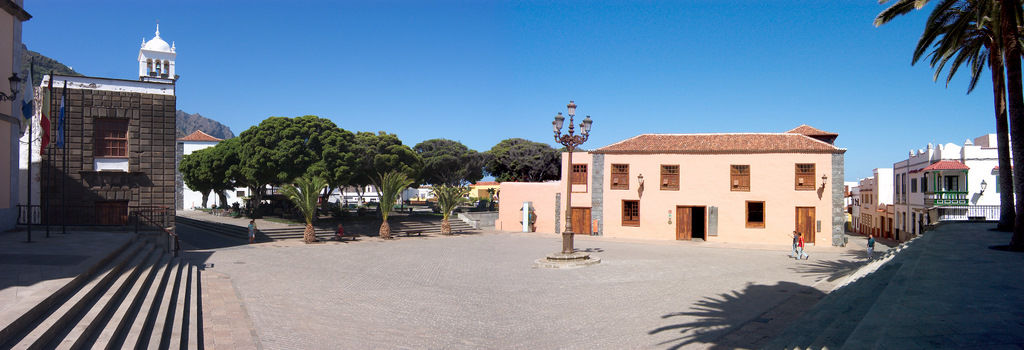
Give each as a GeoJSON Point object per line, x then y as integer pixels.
{"type": "Point", "coordinates": [309, 236]}
{"type": "Point", "coordinates": [1015, 102]}
{"type": "Point", "coordinates": [223, 199]}
{"type": "Point", "coordinates": [446, 227]}
{"type": "Point", "coordinates": [385, 230]}
{"type": "Point", "coordinates": [1007, 214]}
{"type": "Point", "coordinates": [206, 197]}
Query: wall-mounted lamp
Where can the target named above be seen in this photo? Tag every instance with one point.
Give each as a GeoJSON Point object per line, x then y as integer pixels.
{"type": "Point", "coordinates": [984, 185]}
{"type": "Point", "coordinates": [824, 179]}
{"type": "Point", "coordinates": [640, 188]}
{"type": "Point", "coordinates": [15, 84]}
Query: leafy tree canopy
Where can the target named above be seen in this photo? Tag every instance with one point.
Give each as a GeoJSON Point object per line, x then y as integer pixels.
{"type": "Point", "coordinates": [280, 149]}
{"type": "Point", "coordinates": [518, 159]}
{"type": "Point", "coordinates": [381, 153]}
{"type": "Point", "coordinates": [447, 162]}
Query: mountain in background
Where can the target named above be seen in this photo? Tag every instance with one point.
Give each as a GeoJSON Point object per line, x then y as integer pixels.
{"type": "Point", "coordinates": [43, 65]}
{"type": "Point", "coordinates": [187, 123]}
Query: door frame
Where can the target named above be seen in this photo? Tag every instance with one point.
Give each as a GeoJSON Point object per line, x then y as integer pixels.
{"type": "Point", "coordinates": [678, 222]}
{"type": "Point", "coordinates": [809, 237]}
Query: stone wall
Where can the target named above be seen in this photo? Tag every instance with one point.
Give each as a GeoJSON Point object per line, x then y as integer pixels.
{"type": "Point", "coordinates": [597, 193]}
{"type": "Point", "coordinates": [151, 154]}
{"type": "Point", "coordinates": [838, 192]}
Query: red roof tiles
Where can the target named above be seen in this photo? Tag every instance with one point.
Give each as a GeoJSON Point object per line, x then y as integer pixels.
{"type": "Point", "coordinates": [810, 131]}
{"type": "Point", "coordinates": [199, 135]}
{"type": "Point", "coordinates": [721, 143]}
{"type": "Point", "coordinates": [946, 165]}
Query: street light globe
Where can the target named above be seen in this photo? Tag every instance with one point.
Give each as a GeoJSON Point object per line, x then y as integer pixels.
{"type": "Point", "coordinates": [559, 120]}
{"type": "Point", "coordinates": [571, 107]}
{"type": "Point", "coordinates": [587, 122]}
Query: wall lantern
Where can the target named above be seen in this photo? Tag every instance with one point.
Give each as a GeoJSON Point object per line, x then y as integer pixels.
{"type": "Point", "coordinates": [984, 185]}
{"type": "Point", "coordinates": [824, 179]}
{"type": "Point", "coordinates": [640, 188]}
{"type": "Point", "coordinates": [15, 84]}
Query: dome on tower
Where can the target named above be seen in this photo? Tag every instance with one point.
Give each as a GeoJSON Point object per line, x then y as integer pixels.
{"type": "Point", "coordinates": [157, 44]}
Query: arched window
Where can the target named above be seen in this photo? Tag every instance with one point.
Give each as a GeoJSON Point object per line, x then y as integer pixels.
{"type": "Point", "coordinates": [149, 65]}
{"type": "Point", "coordinates": [158, 66]}
{"type": "Point", "coordinates": [167, 68]}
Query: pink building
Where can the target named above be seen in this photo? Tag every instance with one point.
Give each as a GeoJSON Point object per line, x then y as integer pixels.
{"type": "Point", "coordinates": [742, 187]}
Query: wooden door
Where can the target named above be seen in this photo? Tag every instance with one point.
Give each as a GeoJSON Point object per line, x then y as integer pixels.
{"type": "Point", "coordinates": [112, 213]}
{"type": "Point", "coordinates": [805, 223]}
{"type": "Point", "coordinates": [581, 221]}
{"type": "Point", "coordinates": [684, 223]}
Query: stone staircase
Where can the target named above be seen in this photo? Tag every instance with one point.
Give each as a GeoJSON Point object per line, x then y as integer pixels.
{"type": "Point", "coordinates": [835, 321]}
{"type": "Point", "coordinates": [400, 225]}
{"type": "Point", "coordinates": [139, 296]}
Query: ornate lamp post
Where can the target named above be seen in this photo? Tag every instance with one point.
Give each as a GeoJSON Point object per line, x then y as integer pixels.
{"type": "Point", "coordinates": [570, 142]}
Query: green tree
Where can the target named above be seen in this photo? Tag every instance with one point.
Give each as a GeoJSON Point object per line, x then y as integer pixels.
{"type": "Point", "coordinates": [449, 198]}
{"type": "Point", "coordinates": [447, 162]}
{"type": "Point", "coordinates": [305, 193]}
{"type": "Point", "coordinates": [517, 159]}
{"type": "Point", "coordinates": [195, 172]}
{"type": "Point", "coordinates": [281, 149]}
{"type": "Point", "coordinates": [382, 153]}
{"type": "Point", "coordinates": [392, 184]}
{"type": "Point", "coordinates": [981, 32]}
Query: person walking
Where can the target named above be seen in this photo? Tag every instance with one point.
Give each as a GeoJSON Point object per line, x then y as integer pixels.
{"type": "Point", "coordinates": [252, 230]}
{"type": "Point", "coordinates": [800, 245]}
{"type": "Point", "coordinates": [871, 246]}
{"type": "Point", "coordinates": [794, 253]}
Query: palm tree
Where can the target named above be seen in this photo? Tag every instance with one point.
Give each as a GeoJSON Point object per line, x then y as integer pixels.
{"type": "Point", "coordinates": [391, 184]}
{"type": "Point", "coordinates": [448, 198]}
{"type": "Point", "coordinates": [305, 193]}
{"type": "Point", "coordinates": [973, 32]}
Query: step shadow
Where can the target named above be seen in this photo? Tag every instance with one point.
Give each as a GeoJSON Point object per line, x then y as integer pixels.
{"type": "Point", "coordinates": [724, 321]}
{"type": "Point", "coordinates": [832, 269]}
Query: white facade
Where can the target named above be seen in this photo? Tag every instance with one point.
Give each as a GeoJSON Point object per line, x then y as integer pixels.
{"type": "Point", "coordinates": [873, 209]}
{"type": "Point", "coordinates": [923, 196]}
{"type": "Point", "coordinates": [192, 200]}
{"type": "Point", "coordinates": [156, 59]}
{"type": "Point", "coordinates": [349, 195]}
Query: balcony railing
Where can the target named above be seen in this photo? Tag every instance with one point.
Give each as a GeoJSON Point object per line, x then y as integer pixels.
{"type": "Point", "coordinates": [945, 198]}
{"type": "Point", "coordinates": [972, 213]}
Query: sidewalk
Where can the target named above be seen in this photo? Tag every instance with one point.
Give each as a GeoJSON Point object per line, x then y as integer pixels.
{"type": "Point", "coordinates": [30, 272]}
{"type": "Point", "coordinates": [946, 289]}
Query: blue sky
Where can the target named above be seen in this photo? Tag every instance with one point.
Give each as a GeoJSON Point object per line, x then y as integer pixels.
{"type": "Point", "coordinates": [482, 71]}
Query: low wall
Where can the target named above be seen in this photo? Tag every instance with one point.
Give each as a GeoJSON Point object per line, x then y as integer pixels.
{"type": "Point", "coordinates": [542, 197]}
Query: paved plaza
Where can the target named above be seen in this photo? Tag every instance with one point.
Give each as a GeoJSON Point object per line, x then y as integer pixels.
{"type": "Point", "coordinates": [482, 291]}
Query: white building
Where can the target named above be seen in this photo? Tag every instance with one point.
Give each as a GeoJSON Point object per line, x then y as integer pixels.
{"type": "Point", "coordinates": [349, 195]}
{"type": "Point", "coordinates": [874, 209]}
{"type": "Point", "coordinates": [189, 199]}
{"type": "Point", "coordinates": [947, 183]}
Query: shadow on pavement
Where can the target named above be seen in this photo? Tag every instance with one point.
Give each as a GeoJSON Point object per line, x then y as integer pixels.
{"type": "Point", "coordinates": [832, 269]}
{"type": "Point", "coordinates": [724, 321]}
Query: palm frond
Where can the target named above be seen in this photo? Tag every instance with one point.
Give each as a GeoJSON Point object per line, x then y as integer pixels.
{"type": "Point", "coordinates": [450, 197]}
{"type": "Point", "coordinates": [304, 193]}
{"type": "Point", "coordinates": [391, 185]}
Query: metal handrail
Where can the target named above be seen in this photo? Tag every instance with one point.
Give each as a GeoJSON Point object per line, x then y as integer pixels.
{"type": "Point", "coordinates": [173, 242]}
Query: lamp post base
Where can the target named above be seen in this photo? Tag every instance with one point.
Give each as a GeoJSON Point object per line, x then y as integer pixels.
{"type": "Point", "coordinates": [566, 261]}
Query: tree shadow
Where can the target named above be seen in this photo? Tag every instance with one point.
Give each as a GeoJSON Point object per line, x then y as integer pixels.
{"type": "Point", "coordinates": [738, 319]}
{"type": "Point", "coordinates": [833, 269]}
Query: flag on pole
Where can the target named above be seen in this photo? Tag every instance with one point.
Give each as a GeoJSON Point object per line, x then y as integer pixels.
{"type": "Point", "coordinates": [60, 117]}
{"type": "Point", "coordinates": [44, 122]}
{"type": "Point", "coordinates": [28, 104]}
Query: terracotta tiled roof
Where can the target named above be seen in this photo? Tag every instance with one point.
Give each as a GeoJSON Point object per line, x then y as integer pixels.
{"type": "Point", "coordinates": [721, 143]}
{"type": "Point", "coordinates": [946, 165]}
{"type": "Point", "coordinates": [810, 131]}
{"type": "Point", "coordinates": [199, 135]}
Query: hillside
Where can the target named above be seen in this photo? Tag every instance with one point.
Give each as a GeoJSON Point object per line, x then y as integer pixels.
{"type": "Point", "coordinates": [189, 123]}
{"type": "Point", "coordinates": [43, 65]}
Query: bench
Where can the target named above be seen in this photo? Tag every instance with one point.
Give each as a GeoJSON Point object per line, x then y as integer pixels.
{"type": "Point", "coordinates": [350, 236]}
{"type": "Point", "coordinates": [410, 233]}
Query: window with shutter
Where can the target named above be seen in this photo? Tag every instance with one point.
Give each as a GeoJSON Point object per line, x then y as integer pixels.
{"type": "Point", "coordinates": [630, 213]}
{"type": "Point", "coordinates": [670, 177]}
{"type": "Point", "coordinates": [579, 174]}
{"type": "Point", "coordinates": [739, 179]}
{"type": "Point", "coordinates": [111, 138]}
{"type": "Point", "coordinates": [804, 177]}
{"type": "Point", "coordinates": [620, 176]}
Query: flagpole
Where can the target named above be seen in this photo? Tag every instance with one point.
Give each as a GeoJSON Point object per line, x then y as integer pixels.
{"type": "Point", "coordinates": [42, 161]}
{"type": "Point", "coordinates": [31, 118]}
{"type": "Point", "coordinates": [64, 159]}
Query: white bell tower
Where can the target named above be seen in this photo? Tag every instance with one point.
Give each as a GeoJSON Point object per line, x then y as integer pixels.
{"type": "Point", "coordinates": [156, 60]}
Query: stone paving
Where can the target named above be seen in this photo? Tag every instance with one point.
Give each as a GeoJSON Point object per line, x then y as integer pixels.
{"type": "Point", "coordinates": [29, 272]}
{"type": "Point", "coordinates": [481, 291]}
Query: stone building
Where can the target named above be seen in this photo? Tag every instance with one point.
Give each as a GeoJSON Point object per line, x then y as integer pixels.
{"type": "Point", "coordinates": [119, 152]}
